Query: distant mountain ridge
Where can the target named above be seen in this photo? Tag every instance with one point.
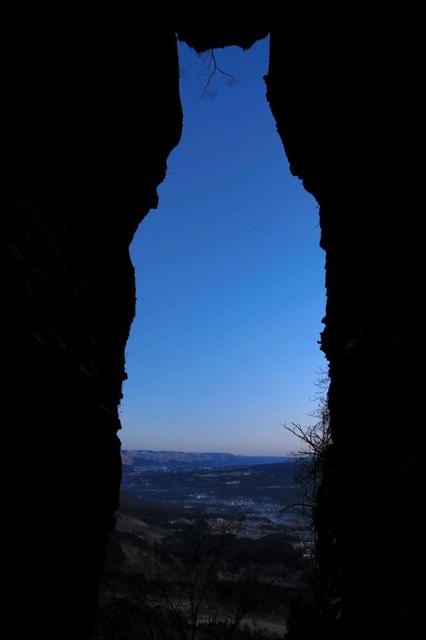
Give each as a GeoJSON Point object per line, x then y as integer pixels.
{"type": "Point", "coordinates": [148, 458]}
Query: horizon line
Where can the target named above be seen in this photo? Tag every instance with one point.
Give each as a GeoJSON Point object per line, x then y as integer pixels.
{"type": "Point", "coordinates": [258, 455]}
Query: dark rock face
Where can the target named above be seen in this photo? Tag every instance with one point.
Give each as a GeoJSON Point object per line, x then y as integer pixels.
{"type": "Point", "coordinates": [335, 124]}
{"type": "Point", "coordinates": [95, 111]}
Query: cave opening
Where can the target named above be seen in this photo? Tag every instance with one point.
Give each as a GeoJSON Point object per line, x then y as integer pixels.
{"type": "Point", "coordinates": [94, 113]}
{"type": "Point", "coordinates": [223, 349]}
{"type": "Point", "coordinates": [229, 275]}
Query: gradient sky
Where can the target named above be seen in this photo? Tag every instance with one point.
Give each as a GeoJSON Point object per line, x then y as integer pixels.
{"type": "Point", "coordinates": [230, 279]}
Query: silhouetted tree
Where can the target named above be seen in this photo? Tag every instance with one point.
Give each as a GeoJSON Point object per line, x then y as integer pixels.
{"type": "Point", "coordinates": [209, 585]}
{"type": "Point", "coordinates": [316, 445]}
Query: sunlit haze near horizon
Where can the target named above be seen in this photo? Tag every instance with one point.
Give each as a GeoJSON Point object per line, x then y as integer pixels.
{"type": "Point", "coordinates": [230, 279]}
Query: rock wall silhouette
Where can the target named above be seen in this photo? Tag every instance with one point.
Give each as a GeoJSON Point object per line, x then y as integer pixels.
{"type": "Point", "coordinates": [94, 113]}
{"type": "Point", "coordinates": [334, 103]}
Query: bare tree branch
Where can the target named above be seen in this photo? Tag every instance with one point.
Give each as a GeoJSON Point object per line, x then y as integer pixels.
{"type": "Point", "coordinates": [212, 69]}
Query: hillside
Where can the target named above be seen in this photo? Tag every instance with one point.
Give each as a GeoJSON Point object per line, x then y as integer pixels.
{"type": "Point", "coordinates": [178, 574]}
{"type": "Point", "coordinates": [148, 458]}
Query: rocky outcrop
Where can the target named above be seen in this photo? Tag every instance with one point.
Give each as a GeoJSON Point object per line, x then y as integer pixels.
{"type": "Point", "coordinates": [96, 111]}
{"type": "Point", "coordinates": [332, 99]}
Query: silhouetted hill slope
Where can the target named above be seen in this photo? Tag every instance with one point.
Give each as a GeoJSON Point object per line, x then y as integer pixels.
{"type": "Point", "coordinates": [147, 458]}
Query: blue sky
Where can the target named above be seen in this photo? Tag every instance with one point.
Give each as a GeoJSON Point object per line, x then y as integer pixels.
{"type": "Point", "coordinates": [230, 279]}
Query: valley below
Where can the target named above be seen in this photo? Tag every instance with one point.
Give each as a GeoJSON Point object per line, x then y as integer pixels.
{"type": "Point", "coordinates": [207, 551]}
